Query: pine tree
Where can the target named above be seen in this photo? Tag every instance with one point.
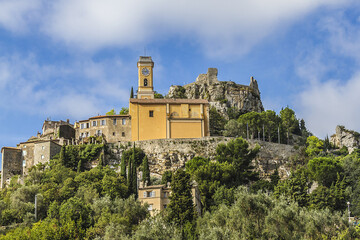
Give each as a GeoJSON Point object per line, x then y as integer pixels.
{"type": "Point", "coordinates": [132, 93]}
{"type": "Point", "coordinates": [146, 171]}
{"type": "Point", "coordinates": [327, 144]}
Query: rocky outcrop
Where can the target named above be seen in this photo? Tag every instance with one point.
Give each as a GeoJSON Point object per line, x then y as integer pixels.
{"type": "Point", "coordinates": [171, 154]}
{"type": "Point", "coordinates": [344, 137]}
{"type": "Point", "coordinates": [221, 94]}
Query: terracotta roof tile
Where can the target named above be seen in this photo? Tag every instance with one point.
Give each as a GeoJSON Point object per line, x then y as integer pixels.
{"type": "Point", "coordinates": [105, 116]}
{"type": "Point", "coordinates": [108, 116]}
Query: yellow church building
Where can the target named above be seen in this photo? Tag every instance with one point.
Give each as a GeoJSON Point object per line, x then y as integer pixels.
{"type": "Point", "coordinates": [164, 118]}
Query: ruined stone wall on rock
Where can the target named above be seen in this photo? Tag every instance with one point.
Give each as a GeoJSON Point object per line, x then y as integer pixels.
{"type": "Point", "coordinates": [221, 94]}
{"type": "Point", "coordinates": [171, 154]}
{"type": "Point", "coordinates": [344, 137]}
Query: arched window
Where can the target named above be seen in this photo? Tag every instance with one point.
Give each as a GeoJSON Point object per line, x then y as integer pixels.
{"type": "Point", "coordinates": [145, 82]}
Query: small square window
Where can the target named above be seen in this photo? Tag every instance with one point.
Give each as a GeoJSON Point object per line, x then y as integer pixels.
{"type": "Point", "coordinates": [114, 121]}
{"type": "Point", "coordinates": [150, 208]}
{"type": "Point", "coordinates": [150, 194]}
{"type": "Point", "coordinates": [42, 157]}
{"type": "Point", "coordinates": [103, 122]}
{"type": "Point", "coordinates": [113, 133]}
{"type": "Point", "coordinates": [94, 123]}
{"type": "Point", "coordinates": [123, 134]}
{"type": "Point", "coordinates": [123, 121]}
{"type": "Point", "coordinates": [151, 113]}
{"type": "Point", "coordinates": [42, 147]}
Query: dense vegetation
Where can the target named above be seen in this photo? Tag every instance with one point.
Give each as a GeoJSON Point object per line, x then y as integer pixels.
{"type": "Point", "coordinates": [266, 125]}
{"type": "Point", "coordinates": [76, 202]}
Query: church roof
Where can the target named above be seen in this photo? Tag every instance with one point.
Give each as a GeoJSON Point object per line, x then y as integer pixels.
{"type": "Point", "coordinates": [169, 100]}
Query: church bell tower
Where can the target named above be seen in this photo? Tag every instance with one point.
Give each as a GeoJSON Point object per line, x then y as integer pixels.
{"type": "Point", "coordinates": [145, 71]}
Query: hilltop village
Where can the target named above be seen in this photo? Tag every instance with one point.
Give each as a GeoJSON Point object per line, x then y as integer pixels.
{"type": "Point", "coordinates": [119, 176]}
{"type": "Point", "coordinates": [178, 116]}
{"type": "Point", "coordinates": [148, 118]}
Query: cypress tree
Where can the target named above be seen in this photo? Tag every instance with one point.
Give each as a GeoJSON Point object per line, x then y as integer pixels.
{"type": "Point", "coordinates": [146, 171]}
{"type": "Point", "coordinates": [129, 175]}
{"type": "Point", "coordinates": [79, 166]}
{"type": "Point", "coordinates": [181, 204]}
{"type": "Point", "coordinates": [134, 177]}
{"type": "Point", "coordinates": [123, 168]}
{"type": "Point", "coordinates": [132, 93]}
{"type": "Point", "coordinates": [63, 155]}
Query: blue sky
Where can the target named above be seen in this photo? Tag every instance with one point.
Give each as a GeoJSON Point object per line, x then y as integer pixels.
{"type": "Point", "coordinates": [73, 59]}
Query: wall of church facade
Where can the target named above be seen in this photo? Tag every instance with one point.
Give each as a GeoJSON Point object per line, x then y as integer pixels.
{"type": "Point", "coordinates": [168, 118]}
{"type": "Point", "coordinates": [148, 121]}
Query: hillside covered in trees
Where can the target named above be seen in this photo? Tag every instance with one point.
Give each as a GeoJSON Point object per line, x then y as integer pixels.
{"type": "Point", "coordinates": [78, 202]}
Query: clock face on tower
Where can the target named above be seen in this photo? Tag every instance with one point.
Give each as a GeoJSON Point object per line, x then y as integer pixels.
{"type": "Point", "coordinates": [145, 71]}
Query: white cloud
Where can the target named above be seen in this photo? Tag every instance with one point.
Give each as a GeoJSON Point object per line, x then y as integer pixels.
{"type": "Point", "coordinates": [311, 66]}
{"type": "Point", "coordinates": [15, 15]}
{"type": "Point", "coordinates": [55, 90]}
{"type": "Point", "coordinates": [343, 36]}
{"type": "Point", "coordinates": [219, 28]}
{"type": "Point", "coordinates": [326, 105]}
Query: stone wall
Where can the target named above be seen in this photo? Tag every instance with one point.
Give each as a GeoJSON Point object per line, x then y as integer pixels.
{"type": "Point", "coordinates": [11, 164]}
{"type": "Point", "coordinates": [27, 155]}
{"type": "Point", "coordinates": [44, 151]}
{"type": "Point", "coordinates": [171, 154]}
{"type": "Point", "coordinates": [66, 131]}
{"type": "Point", "coordinates": [57, 129]}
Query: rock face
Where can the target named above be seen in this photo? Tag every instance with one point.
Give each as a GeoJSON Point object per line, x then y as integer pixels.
{"type": "Point", "coordinates": [344, 137]}
{"type": "Point", "coordinates": [171, 154]}
{"type": "Point", "coordinates": [221, 94]}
